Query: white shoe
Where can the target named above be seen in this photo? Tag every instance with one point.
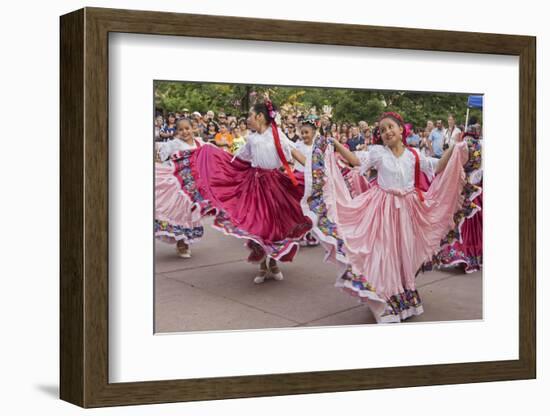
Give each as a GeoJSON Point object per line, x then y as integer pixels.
{"type": "Point", "coordinates": [277, 276]}
{"type": "Point", "coordinates": [260, 278]}
{"type": "Point", "coordinates": [184, 254]}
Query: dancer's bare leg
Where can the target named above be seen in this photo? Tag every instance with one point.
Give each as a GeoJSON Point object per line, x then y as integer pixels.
{"type": "Point", "coordinates": [274, 270]}
{"type": "Point", "coordinates": [262, 273]}
{"type": "Point", "coordinates": [183, 249]}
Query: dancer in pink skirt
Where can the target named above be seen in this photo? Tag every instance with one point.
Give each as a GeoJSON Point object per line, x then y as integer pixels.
{"type": "Point", "coordinates": [177, 219]}
{"type": "Point", "coordinates": [382, 236]}
{"type": "Point", "coordinates": [250, 195]}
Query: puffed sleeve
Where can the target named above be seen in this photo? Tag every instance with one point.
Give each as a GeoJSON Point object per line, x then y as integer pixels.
{"type": "Point", "coordinates": [244, 152]}
{"type": "Point", "coordinates": [165, 150]}
{"type": "Point", "coordinates": [369, 159]}
{"type": "Point", "coordinates": [428, 165]}
{"type": "Point", "coordinates": [287, 145]}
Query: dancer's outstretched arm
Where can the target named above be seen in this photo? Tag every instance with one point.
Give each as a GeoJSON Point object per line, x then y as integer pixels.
{"type": "Point", "coordinates": [346, 153]}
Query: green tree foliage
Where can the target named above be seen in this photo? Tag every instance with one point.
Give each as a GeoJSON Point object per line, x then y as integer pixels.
{"type": "Point", "coordinates": [347, 104]}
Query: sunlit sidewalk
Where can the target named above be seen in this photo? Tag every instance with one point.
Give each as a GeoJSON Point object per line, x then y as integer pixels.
{"type": "Point", "coordinates": [214, 290]}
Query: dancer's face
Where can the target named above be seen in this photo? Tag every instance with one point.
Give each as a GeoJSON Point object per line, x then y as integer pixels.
{"type": "Point", "coordinates": [391, 132]}
{"type": "Point", "coordinates": [185, 130]}
{"type": "Point", "coordinates": [307, 134]}
{"type": "Point", "coordinates": [253, 120]}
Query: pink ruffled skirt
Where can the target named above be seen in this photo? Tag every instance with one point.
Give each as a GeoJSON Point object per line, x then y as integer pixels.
{"type": "Point", "coordinates": [176, 216]}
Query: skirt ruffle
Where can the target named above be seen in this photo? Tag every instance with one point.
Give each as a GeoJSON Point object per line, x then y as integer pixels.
{"type": "Point", "coordinates": [177, 218]}
{"type": "Point", "coordinates": [463, 245]}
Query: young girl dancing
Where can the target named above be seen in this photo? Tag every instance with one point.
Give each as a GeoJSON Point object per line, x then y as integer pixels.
{"type": "Point", "coordinates": [177, 219]}
{"type": "Point", "coordinates": [249, 195]}
{"type": "Point", "coordinates": [309, 133]}
{"type": "Point", "coordinates": [382, 236]}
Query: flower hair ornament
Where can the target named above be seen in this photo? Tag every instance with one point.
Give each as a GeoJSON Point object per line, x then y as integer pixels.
{"type": "Point", "coordinates": [471, 134]}
{"type": "Point", "coordinates": [312, 122]}
{"type": "Point", "coordinates": [272, 114]}
{"type": "Point", "coordinates": [270, 110]}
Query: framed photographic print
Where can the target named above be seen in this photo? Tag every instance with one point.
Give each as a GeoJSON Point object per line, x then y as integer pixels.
{"type": "Point", "coordinates": [281, 207]}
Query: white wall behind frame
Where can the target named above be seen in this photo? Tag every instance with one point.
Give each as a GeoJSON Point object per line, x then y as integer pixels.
{"type": "Point", "coordinates": [29, 306]}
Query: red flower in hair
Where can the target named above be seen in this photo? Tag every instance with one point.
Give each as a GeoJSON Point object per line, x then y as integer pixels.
{"type": "Point", "coordinates": [270, 110]}
{"type": "Point", "coordinates": [392, 114]}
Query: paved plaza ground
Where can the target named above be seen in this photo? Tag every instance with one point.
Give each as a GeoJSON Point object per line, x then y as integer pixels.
{"type": "Point", "coordinates": [214, 290]}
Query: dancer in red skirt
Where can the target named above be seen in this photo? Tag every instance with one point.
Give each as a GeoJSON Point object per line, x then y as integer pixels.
{"type": "Point", "coordinates": [463, 246]}
{"type": "Point", "coordinates": [254, 194]}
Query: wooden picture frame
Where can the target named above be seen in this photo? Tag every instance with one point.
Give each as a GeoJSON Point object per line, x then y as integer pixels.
{"type": "Point", "coordinates": [84, 207]}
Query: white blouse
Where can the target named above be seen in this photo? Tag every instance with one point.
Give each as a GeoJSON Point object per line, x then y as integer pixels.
{"type": "Point", "coordinates": [396, 173]}
{"type": "Point", "coordinates": [167, 149]}
{"type": "Point", "coordinates": [305, 150]}
{"type": "Point", "coordinates": [260, 150]}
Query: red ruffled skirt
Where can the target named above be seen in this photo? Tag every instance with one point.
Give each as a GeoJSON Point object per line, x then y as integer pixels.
{"type": "Point", "coordinates": [258, 205]}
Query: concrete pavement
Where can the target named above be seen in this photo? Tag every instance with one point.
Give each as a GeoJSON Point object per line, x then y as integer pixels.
{"type": "Point", "coordinates": [213, 290]}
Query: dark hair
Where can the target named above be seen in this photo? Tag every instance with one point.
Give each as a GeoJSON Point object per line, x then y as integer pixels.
{"type": "Point", "coordinates": [376, 138]}
{"type": "Point", "coordinates": [171, 115]}
{"type": "Point", "coordinates": [261, 108]}
{"type": "Point", "coordinates": [213, 123]}
{"type": "Point", "coordinates": [179, 120]}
